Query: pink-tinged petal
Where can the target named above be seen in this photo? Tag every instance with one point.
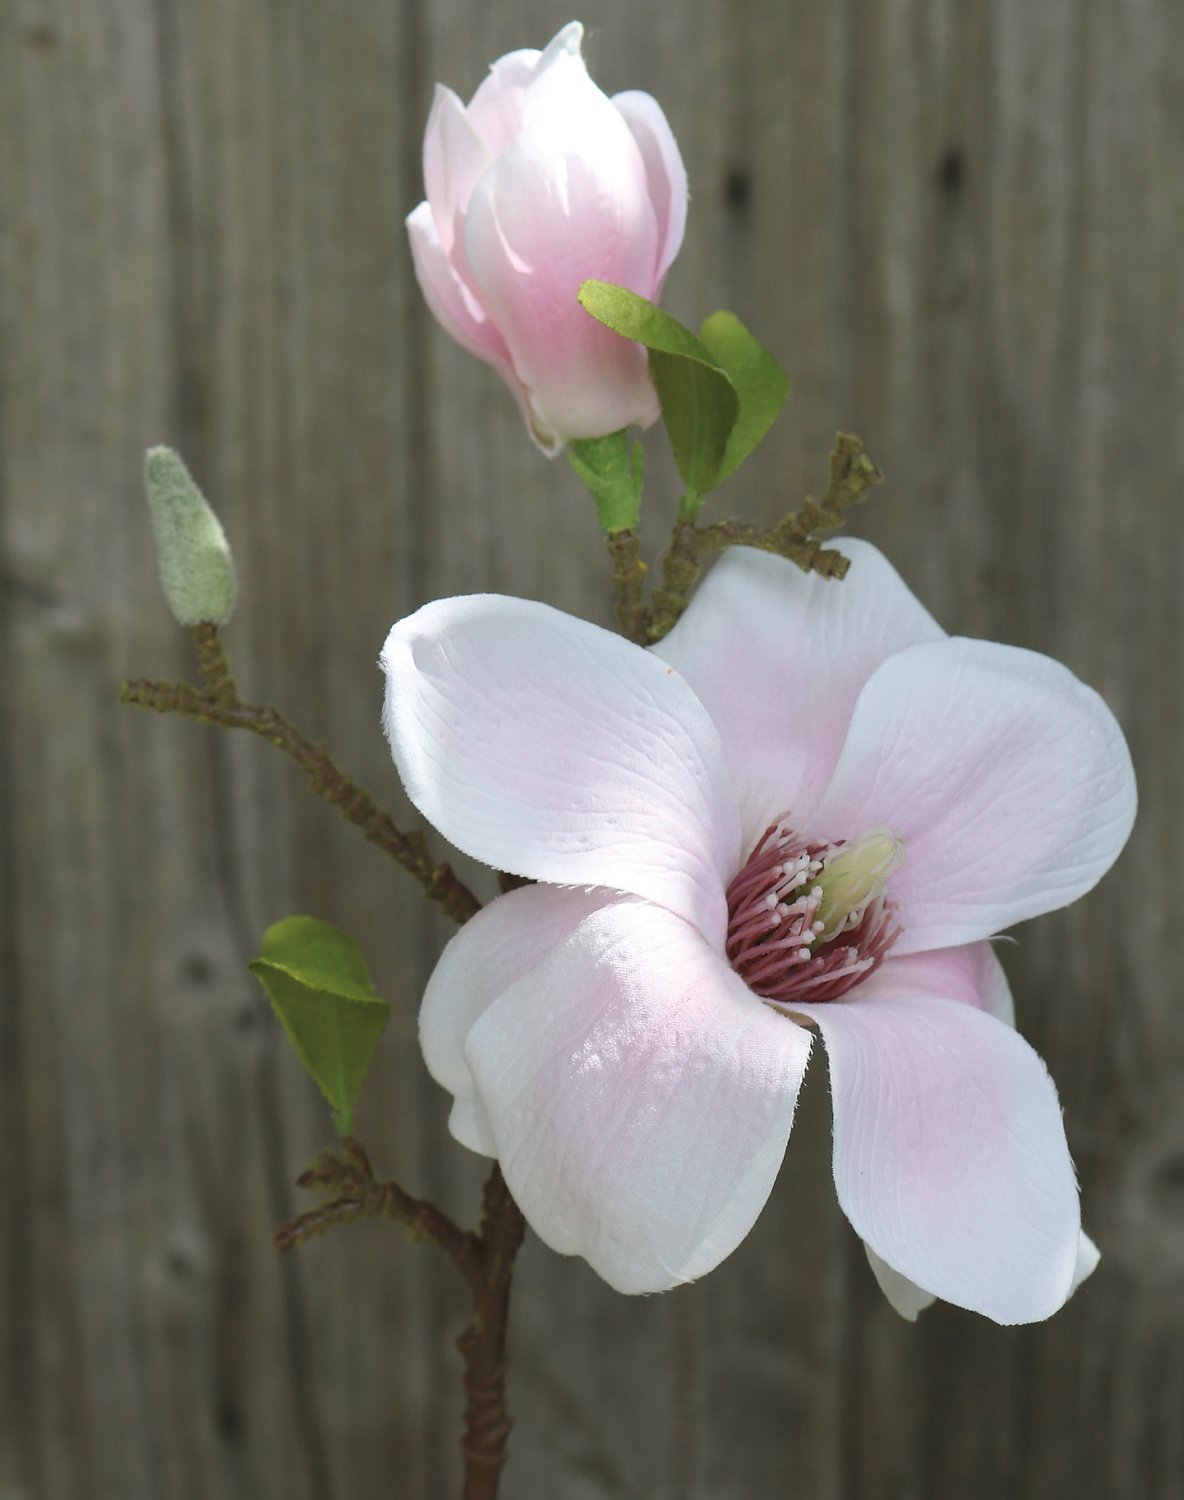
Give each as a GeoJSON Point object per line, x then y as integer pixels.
{"type": "Point", "coordinates": [454, 157]}
{"type": "Point", "coordinates": [664, 171]}
{"type": "Point", "coordinates": [545, 746]}
{"type": "Point", "coordinates": [778, 657]}
{"type": "Point", "coordinates": [560, 71]}
{"type": "Point", "coordinates": [568, 200]}
{"type": "Point", "coordinates": [970, 973]}
{"type": "Point", "coordinates": [496, 110]}
{"type": "Point", "coordinates": [492, 951]}
{"type": "Point", "coordinates": [640, 1097]}
{"type": "Point", "coordinates": [1008, 780]}
{"type": "Point", "coordinates": [950, 1157]}
{"type": "Point", "coordinates": [904, 1296]}
{"type": "Point", "coordinates": [452, 303]}
{"type": "Point", "coordinates": [992, 991]}
{"type": "Point", "coordinates": [908, 1299]}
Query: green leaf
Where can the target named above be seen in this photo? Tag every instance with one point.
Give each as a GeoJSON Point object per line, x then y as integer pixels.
{"type": "Point", "coordinates": [613, 474]}
{"type": "Point", "coordinates": [699, 404]}
{"type": "Point", "coordinates": [319, 987]}
{"type": "Point", "coordinates": [760, 383]}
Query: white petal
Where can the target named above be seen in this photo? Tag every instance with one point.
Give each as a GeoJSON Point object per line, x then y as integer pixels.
{"type": "Point", "coordinates": [950, 1157]}
{"type": "Point", "coordinates": [906, 1298]}
{"type": "Point", "coordinates": [664, 169]}
{"type": "Point", "coordinates": [1088, 1256]}
{"type": "Point", "coordinates": [990, 983]}
{"type": "Point", "coordinates": [496, 110]}
{"type": "Point", "coordinates": [778, 658]}
{"type": "Point", "coordinates": [1008, 780]}
{"type": "Point", "coordinates": [454, 158]}
{"type": "Point", "coordinates": [560, 76]}
{"type": "Point", "coordinates": [545, 746]}
{"type": "Point", "coordinates": [970, 973]}
{"type": "Point", "coordinates": [492, 951]}
{"type": "Point", "coordinates": [453, 304]}
{"type": "Point", "coordinates": [973, 975]}
{"type": "Point", "coordinates": [640, 1097]}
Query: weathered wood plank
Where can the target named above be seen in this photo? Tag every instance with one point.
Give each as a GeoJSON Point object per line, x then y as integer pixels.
{"type": "Point", "coordinates": [958, 225]}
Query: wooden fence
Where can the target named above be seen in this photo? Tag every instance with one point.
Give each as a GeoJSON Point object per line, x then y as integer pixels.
{"type": "Point", "coordinates": [959, 225]}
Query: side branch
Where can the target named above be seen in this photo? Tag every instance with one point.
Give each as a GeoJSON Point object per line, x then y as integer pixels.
{"type": "Point", "coordinates": [485, 1259]}
{"type": "Point", "coordinates": [796, 536]}
{"type": "Point", "coordinates": [217, 702]}
{"type": "Point", "coordinates": [355, 1193]}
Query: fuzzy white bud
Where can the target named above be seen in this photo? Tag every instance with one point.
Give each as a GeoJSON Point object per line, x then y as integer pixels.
{"type": "Point", "coordinates": [196, 566]}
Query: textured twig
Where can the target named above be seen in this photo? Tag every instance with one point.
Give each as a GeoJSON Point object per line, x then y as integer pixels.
{"type": "Point", "coordinates": [355, 1193]}
{"type": "Point", "coordinates": [485, 1259]}
{"type": "Point", "coordinates": [483, 1343]}
{"type": "Point", "coordinates": [217, 702]}
{"type": "Point", "coordinates": [795, 536]}
{"type": "Point", "coordinates": [629, 572]}
{"type": "Point", "coordinates": [214, 663]}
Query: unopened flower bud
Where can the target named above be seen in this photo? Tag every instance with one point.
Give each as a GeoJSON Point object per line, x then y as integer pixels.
{"type": "Point", "coordinates": [196, 566]}
{"type": "Point", "coordinates": [536, 185]}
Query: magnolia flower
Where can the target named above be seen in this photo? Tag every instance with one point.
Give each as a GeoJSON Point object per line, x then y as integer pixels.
{"type": "Point", "coordinates": [807, 808]}
{"type": "Point", "coordinates": [539, 183]}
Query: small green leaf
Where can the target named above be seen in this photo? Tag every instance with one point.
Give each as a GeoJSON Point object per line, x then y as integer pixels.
{"type": "Point", "coordinates": [699, 404]}
{"type": "Point", "coordinates": [319, 987]}
{"type": "Point", "coordinates": [613, 473]}
{"type": "Point", "coordinates": [760, 383]}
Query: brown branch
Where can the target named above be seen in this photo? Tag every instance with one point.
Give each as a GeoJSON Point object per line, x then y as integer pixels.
{"type": "Point", "coordinates": [629, 572]}
{"type": "Point", "coordinates": [217, 702]}
{"type": "Point", "coordinates": [485, 1259]}
{"type": "Point", "coordinates": [483, 1343]}
{"type": "Point", "coordinates": [357, 1194]}
{"type": "Point", "coordinates": [214, 663]}
{"type": "Point", "coordinates": [851, 475]}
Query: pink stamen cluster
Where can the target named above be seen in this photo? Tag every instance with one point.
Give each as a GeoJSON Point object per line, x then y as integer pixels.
{"type": "Point", "coordinates": [773, 928]}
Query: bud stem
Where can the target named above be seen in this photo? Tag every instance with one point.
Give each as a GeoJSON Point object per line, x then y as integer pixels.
{"type": "Point", "coordinates": [218, 703]}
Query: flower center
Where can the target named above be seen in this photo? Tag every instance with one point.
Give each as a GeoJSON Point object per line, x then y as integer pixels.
{"type": "Point", "coordinates": [807, 920]}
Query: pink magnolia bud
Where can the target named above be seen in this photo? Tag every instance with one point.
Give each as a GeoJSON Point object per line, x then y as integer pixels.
{"type": "Point", "coordinates": [539, 183]}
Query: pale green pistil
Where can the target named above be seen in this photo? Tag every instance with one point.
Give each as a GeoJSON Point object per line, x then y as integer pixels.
{"type": "Point", "coordinates": [852, 878]}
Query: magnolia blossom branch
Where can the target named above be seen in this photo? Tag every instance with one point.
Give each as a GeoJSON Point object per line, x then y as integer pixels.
{"type": "Point", "coordinates": [483, 1343]}
{"type": "Point", "coordinates": [633, 613]}
{"type": "Point", "coordinates": [795, 536]}
{"type": "Point", "coordinates": [485, 1259]}
{"type": "Point", "coordinates": [217, 702]}
{"type": "Point", "coordinates": [355, 1193]}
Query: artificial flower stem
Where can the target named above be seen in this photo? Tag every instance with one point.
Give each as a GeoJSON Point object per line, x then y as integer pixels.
{"type": "Point", "coordinates": [217, 702]}
{"type": "Point", "coordinates": [483, 1343]}
{"type": "Point", "coordinates": [214, 662]}
{"type": "Point", "coordinates": [795, 537]}
{"type": "Point", "coordinates": [355, 1193]}
{"type": "Point", "coordinates": [484, 1259]}
{"type": "Point", "coordinates": [680, 573]}
{"type": "Point", "coordinates": [632, 611]}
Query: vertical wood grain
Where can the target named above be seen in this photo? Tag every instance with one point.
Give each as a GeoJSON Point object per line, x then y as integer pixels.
{"type": "Point", "coordinates": [958, 227]}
